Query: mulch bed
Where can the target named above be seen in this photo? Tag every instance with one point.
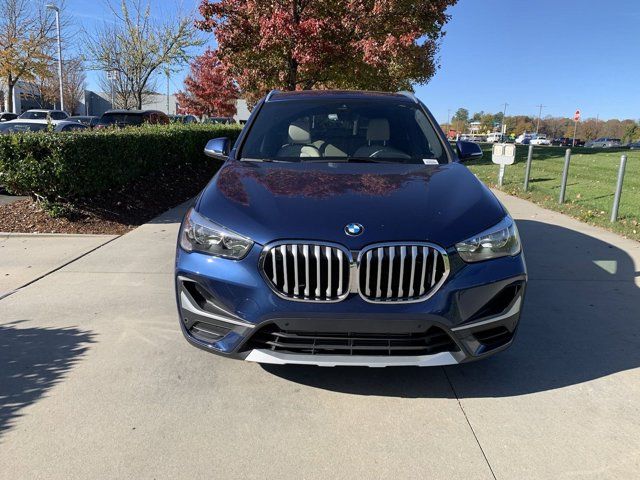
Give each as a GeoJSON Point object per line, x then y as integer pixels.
{"type": "Point", "coordinates": [115, 211]}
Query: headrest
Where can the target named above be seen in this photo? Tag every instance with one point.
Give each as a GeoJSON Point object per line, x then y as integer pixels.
{"type": "Point", "coordinates": [299, 131]}
{"type": "Point", "coordinates": [378, 130]}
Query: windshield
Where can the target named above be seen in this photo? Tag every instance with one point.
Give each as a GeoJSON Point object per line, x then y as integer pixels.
{"type": "Point", "coordinates": [124, 118]}
{"type": "Point", "coordinates": [22, 127]}
{"type": "Point", "coordinates": [347, 130]}
{"type": "Point", "coordinates": [34, 115]}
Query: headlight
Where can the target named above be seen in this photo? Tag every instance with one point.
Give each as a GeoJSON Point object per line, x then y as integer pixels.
{"type": "Point", "coordinates": [500, 240]}
{"type": "Point", "coordinates": [200, 234]}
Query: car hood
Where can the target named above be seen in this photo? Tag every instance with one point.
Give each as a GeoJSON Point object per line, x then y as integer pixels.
{"type": "Point", "coordinates": [443, 204]}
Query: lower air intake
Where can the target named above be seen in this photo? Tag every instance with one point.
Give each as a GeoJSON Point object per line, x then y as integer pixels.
{"type": "Point", "coordinates": [433, 341]}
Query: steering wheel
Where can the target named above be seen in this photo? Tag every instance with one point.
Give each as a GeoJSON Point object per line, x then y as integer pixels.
{"type": "Point", "coordinates": [389, 153]}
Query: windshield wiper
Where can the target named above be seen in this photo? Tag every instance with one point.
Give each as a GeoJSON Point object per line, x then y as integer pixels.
{"type": "Point", "coordinates": [371, 160]}
{"type": "Point", "coordinates": [264, 160]}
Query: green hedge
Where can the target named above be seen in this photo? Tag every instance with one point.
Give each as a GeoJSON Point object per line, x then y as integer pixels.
{"type": "Point", "coordinates": [68, 166]}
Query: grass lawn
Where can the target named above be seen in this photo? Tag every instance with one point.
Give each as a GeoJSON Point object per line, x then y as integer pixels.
{"type": "Point", "coordinates": [591, 184]}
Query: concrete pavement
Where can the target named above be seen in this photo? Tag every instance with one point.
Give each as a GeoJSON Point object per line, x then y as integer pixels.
{"type": "Point", "coordinates": [5, 198]}
{"type": "Point", "coordinates": [26, 257]}
{"type": "Point", "coordinates": [97, 382]}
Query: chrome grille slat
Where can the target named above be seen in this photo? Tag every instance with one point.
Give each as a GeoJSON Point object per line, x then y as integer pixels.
{"type": "Point", "coordinates": [378, 282]}
{"type": "Point", "coordinates": [316, 251]}
{"type": "Point", "coordinates": [435, 264]}
{"type": "Point", "coordinates": [403, 256]}
{"type": "Point", "coordinates": [392, 254]}
{"type": "Point", "coordinates": [414, 255]}
{"type": "Point", "coordinates": [328, 253]}
{"type": "Point", "coordinates": [275, 268]}
{"type": "Point", "coordinates": [285, 285]}
{"type": "Point", "coordinates": [339, 253]}
{"type": "Point", "coordinates": [368, 272]}
{"type": "Point", "coordinates": [296, 283]}
{"type": "Point", "coordinates": [305, 252]}
{"type": "Point", "coordinates": [425, 255]}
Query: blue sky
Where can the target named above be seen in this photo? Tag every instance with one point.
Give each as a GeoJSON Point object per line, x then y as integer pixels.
{"type": "Point", "coordinates": [564, 54]}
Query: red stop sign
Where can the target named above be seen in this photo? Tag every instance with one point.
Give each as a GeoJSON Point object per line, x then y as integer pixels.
{"type": "Point", "coordinates": [576, 116]}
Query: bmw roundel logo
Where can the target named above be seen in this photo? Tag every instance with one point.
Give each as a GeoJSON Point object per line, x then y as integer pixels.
{"type": "Point", "coordinates": [353, 229]}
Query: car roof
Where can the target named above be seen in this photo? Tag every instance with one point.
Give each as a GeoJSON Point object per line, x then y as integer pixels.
{"type": "Point", "coordinates": [278, 96]}
{"type": "Point", "coordinates": [42, 110]}
{"type": "Point", "coordinates": [38, 121]}
{"type": "Point", "coordinates": [134, 112]}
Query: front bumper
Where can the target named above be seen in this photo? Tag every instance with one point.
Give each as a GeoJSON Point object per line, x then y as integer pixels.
{"type": "Point", "coordinates": [226, 307]}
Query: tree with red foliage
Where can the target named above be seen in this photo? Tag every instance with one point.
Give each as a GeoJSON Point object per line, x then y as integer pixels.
{"type": "Point", "coordinates": [210, 90]}
{"type": "Point", "coordinates": [303, 44]}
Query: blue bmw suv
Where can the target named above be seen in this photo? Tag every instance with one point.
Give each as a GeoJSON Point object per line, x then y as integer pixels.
{"type": "Point", "coordinates": [343, 229]}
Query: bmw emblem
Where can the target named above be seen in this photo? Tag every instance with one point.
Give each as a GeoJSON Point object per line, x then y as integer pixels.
{"type": "Point", "coordinates": [353, 229]}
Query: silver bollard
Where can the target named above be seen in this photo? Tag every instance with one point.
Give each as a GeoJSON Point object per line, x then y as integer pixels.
{"type": "Point", "coordinates": [527, 171]}
{"type": "Point", "coordinates": [616, 199]}
{"type": "Point", "coordinates": [565, 175]}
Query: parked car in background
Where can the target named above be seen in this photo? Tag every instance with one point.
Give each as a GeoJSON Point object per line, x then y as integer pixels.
{"type": "Point", "coordinates": [495, 137]}
{"type": "Point", "coordinates": [43, 114]}
{"type": "Point", "coordinates": [183, 119]}
{"type": "Point", "coordinates": [6, 116]}
{"type": "Point", "coordinates": [343, 229]}
{"type": "Point", "coordinates": [222, 120]}
{"type": "Point", "coordinates": [540, 140]}
{"type": "Point", "coordinates": [126, 118]}
{"type": "Point", "coordinates": [604, 142]}
{"type": "Point", "coordinates": [22, 126]}
{"type": "Point", "coordinates": [567, 142]}
{"type": "Point", "coordinates": [634, 145]}
{"type": "Point", "coordinates": [524, 138]}
{"type": "Point", "coordinates": [86, 120]}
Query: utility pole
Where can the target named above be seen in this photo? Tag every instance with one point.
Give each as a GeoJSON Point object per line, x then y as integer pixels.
{"type": "Point", "coordinates": [50, 6]}
{"type": "Point", "coordinates": [111, 74]}
{"type": "Point", "coordinates": [168, 93]}
{"type": "Point", "coordinates": [448, 120]}
{"type": "Point", "coordinates": [504, 119]}
{"type": "Point", "coordinates": [539, 115]}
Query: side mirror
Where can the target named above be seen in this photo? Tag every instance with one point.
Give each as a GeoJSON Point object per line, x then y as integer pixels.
{"type": "Point", "coordinates": [468, 151]}
{"type": "Point", "coordinates": [217, 148]}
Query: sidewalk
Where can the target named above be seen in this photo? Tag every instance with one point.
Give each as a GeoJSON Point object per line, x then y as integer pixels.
{"type": "Point", "coordinates": [98, 380]}
{"type": "Point", "coordinates": [26, 257]}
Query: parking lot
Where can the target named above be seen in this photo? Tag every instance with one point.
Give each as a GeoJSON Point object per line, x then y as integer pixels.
{"type": "Point", "coordinates": [99, 383]}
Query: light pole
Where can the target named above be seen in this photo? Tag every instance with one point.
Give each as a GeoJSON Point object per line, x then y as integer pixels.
{"type": "Point", "coordinates": [50, 6]}
{"type": "Point", "coordinates": [504, 119]}
{"type": "Point", "coordinates": [539, 115]}
{"type": "Point", "coordinates": [168, 92]}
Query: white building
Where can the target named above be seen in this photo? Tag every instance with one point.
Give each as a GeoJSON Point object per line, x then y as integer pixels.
{"type": "Point", "coordinates": [25, 97]}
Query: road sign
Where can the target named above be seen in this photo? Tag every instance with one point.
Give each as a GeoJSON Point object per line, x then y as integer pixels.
{"type": "Point", "coordinates": [576, 116]}
{"type": "Point", "coordinates": [503, 154]}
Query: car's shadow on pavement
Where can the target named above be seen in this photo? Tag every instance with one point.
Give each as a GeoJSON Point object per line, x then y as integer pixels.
{"type": "Point", "coordinates": [581, 322]}
{"type": "Point", "coordinates": [32, 361]}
